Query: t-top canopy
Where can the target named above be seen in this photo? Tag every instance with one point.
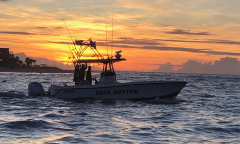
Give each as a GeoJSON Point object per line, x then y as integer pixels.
{"type": "Point", "coordinates": [99, 60]}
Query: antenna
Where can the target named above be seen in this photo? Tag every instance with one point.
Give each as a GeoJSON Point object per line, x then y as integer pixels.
{"type": "Point", "coordinates": [106, 35]}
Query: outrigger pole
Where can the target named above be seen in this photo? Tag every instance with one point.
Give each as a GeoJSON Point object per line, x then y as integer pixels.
{"type": "Point", "coordinates": [68, 31]}
{"type": "Point", "coordinates": [75, 54]}
{"type": "Point", "coordinates": [112, 35]}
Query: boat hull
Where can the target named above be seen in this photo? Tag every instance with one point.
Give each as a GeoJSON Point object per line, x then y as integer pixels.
{"type": "Point", "coordinates": [129, 91]}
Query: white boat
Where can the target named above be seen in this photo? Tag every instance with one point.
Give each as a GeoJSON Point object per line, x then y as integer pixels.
{"type": "Point", "coordinates": [108, 87]}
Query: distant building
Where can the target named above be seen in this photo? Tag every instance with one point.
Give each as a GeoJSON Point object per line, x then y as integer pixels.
{"type": "Point", "coordinates": [37, 66]}
{"type": "Point", "coordinates": [43, 65]}
{"type": "Point", "coordinates": [4, 57]}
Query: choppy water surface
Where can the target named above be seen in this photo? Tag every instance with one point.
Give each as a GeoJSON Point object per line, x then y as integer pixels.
{"type": "Point", "coordinates": [206, 111]}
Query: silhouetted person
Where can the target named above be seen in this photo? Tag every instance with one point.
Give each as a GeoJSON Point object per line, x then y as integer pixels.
{"type": "Point", "coordinates": [82, 72]}
{"type": "Point", "coordinates": [76, 75]}
{"type": "Point", "coordinates": [89, 75]}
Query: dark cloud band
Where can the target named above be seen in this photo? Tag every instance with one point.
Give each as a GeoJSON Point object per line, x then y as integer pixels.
{"type": "Point", "coordinates": [23, 33]}
{"type": "Point", "coordinates": [184, 32]}
{"type": "Point", "coordinates": [19, 33]}
{"type": "Point", "coordinates": [157, 46]}
{"type": "Point", "coordinates": [5, 0]}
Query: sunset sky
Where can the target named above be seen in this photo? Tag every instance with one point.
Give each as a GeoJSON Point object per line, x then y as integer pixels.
{"type": "Point", "coordinates": [149, 32]}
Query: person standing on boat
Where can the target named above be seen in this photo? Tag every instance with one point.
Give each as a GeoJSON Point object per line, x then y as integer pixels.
{"type": "Point", "coordinates": [76, 75]}
{"type": "Point", "coordinates": [82, 72]}
{"type": "Point", "coordinates": [89, 75]}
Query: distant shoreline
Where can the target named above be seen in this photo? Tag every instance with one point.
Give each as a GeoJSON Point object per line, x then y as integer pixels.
{"type": "Point", "coordinates": [20, 70]}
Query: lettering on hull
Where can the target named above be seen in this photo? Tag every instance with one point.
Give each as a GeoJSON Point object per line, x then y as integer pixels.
{"type": "Point", "coordinates": [103, 92]}
{"type": "Point", "coordinates": [116, 92]}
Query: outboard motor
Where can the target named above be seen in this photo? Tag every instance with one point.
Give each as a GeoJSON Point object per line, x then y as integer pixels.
{"type": "Point", "coordinates": [35, 89]}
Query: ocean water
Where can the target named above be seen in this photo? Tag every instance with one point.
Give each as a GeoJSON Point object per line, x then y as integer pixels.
{"type": "Point", "coordinates": [206, 111]}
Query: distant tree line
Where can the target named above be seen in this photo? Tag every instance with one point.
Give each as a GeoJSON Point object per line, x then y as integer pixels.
{"type": "Point", "coordinates": [15, 62]}
{"type": "Point", "coordinates": [10, 61]}
{"type": "Point", "coordinates": [29, 62]}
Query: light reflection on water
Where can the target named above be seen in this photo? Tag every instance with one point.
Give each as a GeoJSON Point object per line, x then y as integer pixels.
{"type": "Point", "coordinates": [206, 111]}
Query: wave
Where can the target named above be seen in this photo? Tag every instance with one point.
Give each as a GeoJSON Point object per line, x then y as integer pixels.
{"type": "Point", "coordinates": [12, 94]}
{"type": "Point", "coordinates": [26, 124]}
{"type": "Point", "coordinates": [221, 130]}
{"type": "Point", "coordinates": [67, 139]}
{"type": "Point", "coordinates": [53, 115]}
{"type": "Point", "coordinates": [166, 101]}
